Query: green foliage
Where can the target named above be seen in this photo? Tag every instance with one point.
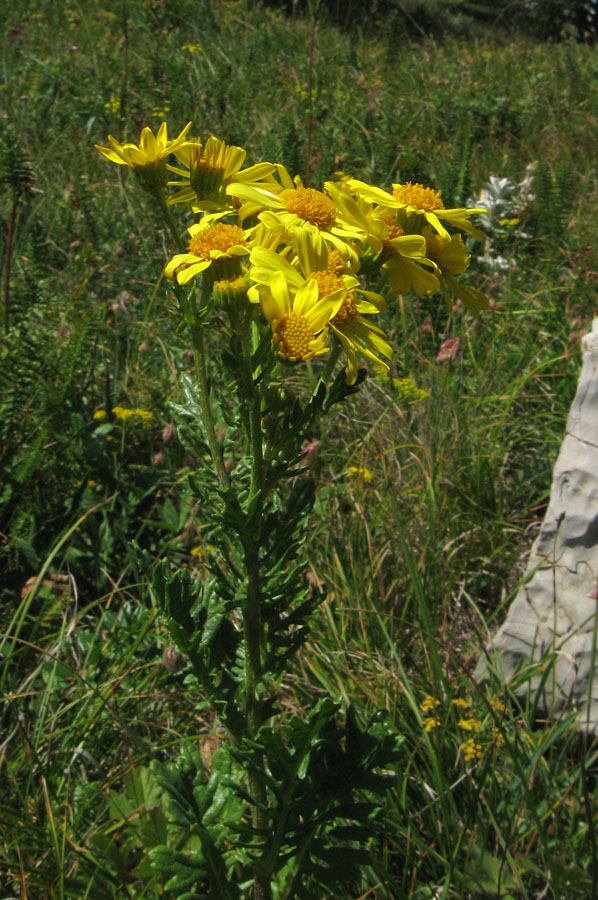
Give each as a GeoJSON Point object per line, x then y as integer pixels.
{"type": "Point", "coordinates": [556, 195]}
{"type": "Point", "coordinates": [16, 172]}
{"type": "Point", "coordinates": [322, 781]}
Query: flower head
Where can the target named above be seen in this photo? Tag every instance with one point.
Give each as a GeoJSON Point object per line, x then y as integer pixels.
{"type": "Point", "coordinates": [314, 260]}
{"type": "Point", "coordinates": [402, 253]}
{"type": "Point", "coordinates": [148, 158]}
{"type": "Point", "coordinates": [208, 169]}
{"type": "Point", "coordinates": [212, 244]}
{"type": "Point", "coordinates": [291, 208]}
{"type": "Point", "coordinates": [415, 200]}
{"type": "Point", "coordinates": [300, 318]}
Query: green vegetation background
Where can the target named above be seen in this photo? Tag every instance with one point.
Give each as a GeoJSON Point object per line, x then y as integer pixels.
{"type": "Point", "coordinates": [431, 484]}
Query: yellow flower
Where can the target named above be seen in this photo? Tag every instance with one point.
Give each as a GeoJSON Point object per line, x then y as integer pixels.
{"type": "Point", "coordinates": [417, 200]}
{"type": "Point", "coordinates": [231, 291]}
{"type": "Point", "coordinates": [471, 750]}
{"type": "Point", "coordinates": [112, 105]}
{"type": "Point", "coordinates": [292, 208]}
{"type": "Point", "coordinates": [429, 703]}
{"type": "Point", "coordinates": [100, 414]}
{"type": "Point", "coordinates": [145, 415]}
{"type": "Point", "coordinates": [470, 724]}
{"type": "Point", "coordinates": [314, 260]}
{"type": "Point", "coordinates": [430, 723]}
{"type": "Point", "coordinates": [299, 319]}
{"type": "Point", "coordinates": [403, 254]}
{"type": "Point", "coordinates": [148, 158]}
{"type": "Point", "coordinates": [459, 701]}
{"type": "Point", "coordinates": [497, 737]}
{"type": "Point", "coordinates": [213, 244]}
{"type": "Point", "coordinates": [408, 390]}
{"type": "Point", "coordinates": [452, 259]}
{"type": "Point", "coordinates": [122, 414]}
{"type": "Point", "coordinates": [209, 170]}
{"type": "Point", "coordinates": [362, 471]}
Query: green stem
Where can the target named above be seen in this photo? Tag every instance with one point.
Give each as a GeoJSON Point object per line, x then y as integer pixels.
{"type": "Point", "coordinates": [199, 357]}
{"type": "Point", "coordinates": [330, 362]}
{"type": "Point", "coordinates": [169, 219]}
{"type": "Point", "coordinates": [252, 614]}
{"type": "Point", "coordinates": [199, 354]}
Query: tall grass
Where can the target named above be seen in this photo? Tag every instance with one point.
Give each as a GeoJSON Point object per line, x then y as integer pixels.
{"type": "Point", "coordinates": [430, 487]}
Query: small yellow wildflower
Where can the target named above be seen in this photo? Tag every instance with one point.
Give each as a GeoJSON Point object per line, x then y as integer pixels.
{"type": "Point", "coordinates": [160, 112]}
{"type": "Point", "coordinates": [429, 703]}
{"type": "Point", "coordinates": [471, 750]}
{"type": "Point", "coordinates": [112, 105]}
{"type": "Point", "coordinates": [209, 170]}
{"type": "Point", "coordinates": [299, 319]}
{"type": "Point", "coordinates": [122, 414]}
{"type": "Point", "coordinates": [418, 200]}
{"type": "Point", "coordinates": [200, 551]}
{"type": "Point", "coordinates": [408, 391]}
{"type": "Point", "coordinates": [362, 471]}
{"type": "Point", "coordinates": [430, 723]}
{"type": "Point", "coordinates": [470, 724]}
{"type": "Point", "coordinates": [231, 291]}
{"type": "Point", "coordinates": [145, 415]}
{"type": "Point", "coordinates": [100, 414]}
{"type": "Point", "coordinates": [192, 48]}
{"type": "Point", "coordinates": [212, 245]}
{"type": "Point", "coordinates": [461, 702]}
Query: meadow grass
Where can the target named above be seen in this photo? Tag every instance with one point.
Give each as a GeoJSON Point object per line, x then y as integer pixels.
{"type": "Point", "coordinates": [431, 484]}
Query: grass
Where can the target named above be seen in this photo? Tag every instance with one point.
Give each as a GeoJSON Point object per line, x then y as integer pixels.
{"type": "Point", "coordinates": [426, 501]}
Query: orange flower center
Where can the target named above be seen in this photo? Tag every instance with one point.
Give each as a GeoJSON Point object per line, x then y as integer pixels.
{"type": "Point", "coordinates": [292, 335]}
{"type": "Point", "coordinates": [417, 195]}
{"type": "Point", "coordinates": [347, 312]}
{"type": "Point", "coordinates": [327, 282]}
{"type": "Point", "coordinates": [311, 205]}
{"type": "Point", "coordinates": [216, 237]}
{"type": "Point", "coordinates": [394, 230]}
{"type": "Point", "coordinates": [335, 262]}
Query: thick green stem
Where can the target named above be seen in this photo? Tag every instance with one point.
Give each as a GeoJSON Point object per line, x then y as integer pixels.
{"type": "Point", "coordinates": [252, 612]}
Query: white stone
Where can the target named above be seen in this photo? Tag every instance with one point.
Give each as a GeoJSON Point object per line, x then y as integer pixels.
{"type": "Point", "coordinates": [548, 644]}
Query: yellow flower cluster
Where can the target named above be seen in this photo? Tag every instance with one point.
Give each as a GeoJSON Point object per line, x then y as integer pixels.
{"type": "Point", "coordinates": [302, 252]}
{"type": "Point", "coordinates": [470, 724]}
{"type": "Point", "coordinates": [471, 750]}
{"type": "Point", "coordinates": [408, 391]}
{"type": "Point", "coordinates": [124, 415]}
{"type": "Point", "coordinates": [485, 733]}
{"type": "Point", "coordinates": [361, 471]}
{"type": "Point", "coordinates": [429, 703]}
{"type": "Point", "coordinates": [160, 112]}
{"type": "Point", "coordinates": [431, 722]}
{"type": "Point", "coordinates": [112, 105]}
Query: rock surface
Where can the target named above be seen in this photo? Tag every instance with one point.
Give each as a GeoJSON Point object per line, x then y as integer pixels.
{"type": "Point", "coordinates": [550, 636]}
